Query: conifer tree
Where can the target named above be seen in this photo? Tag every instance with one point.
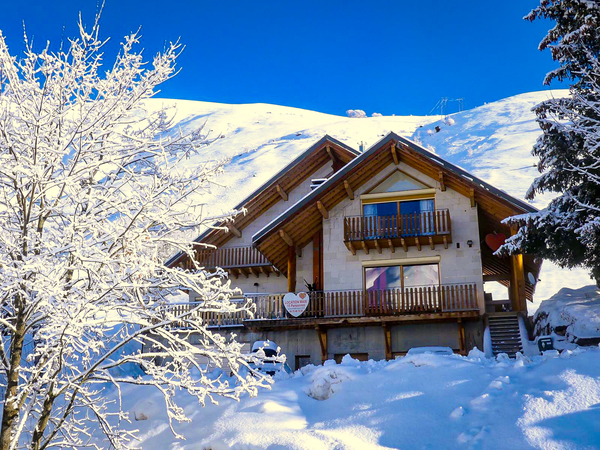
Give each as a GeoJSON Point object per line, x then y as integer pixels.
{"type": "Point", "coordinates": [567, 231]}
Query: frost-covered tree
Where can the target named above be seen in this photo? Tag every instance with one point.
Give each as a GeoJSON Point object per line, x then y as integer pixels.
{"type": "Point", "coordinates": [92, 187]}
{"type": "Point", "coordinates": [567, 231]}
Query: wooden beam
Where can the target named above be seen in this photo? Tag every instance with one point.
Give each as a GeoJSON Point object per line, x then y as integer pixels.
{"type": "Point", "coordinates": [387, 336]}
{"type": "Point", "coordinates": [461, 337]}
{"type": "Point", "coordinates": [404, 244]}
{"type": "Point", "coordinates": [395, 154]}
{"type": "Point", "coordinates": [245, 271]}
{"type": "Point", "coordinates": [235, 273]}
{"type": "Point", "coordinates": [291, 270]}
{"type": "Point", "coordinates": [418, 243]}
{"type": "Point", "coordinates": [431, 244]}
{"type": "Point", "coordinates": [317, 268]}
{"type": "Point", "coordinates": [364, 246]}
{"type": "Point", "coordinates": [445, 242]}
{"type": "Point", "coordinates": [496, 277]}
{"type": "Point", "coordinates": [349, 190]}
{"type": "Point", "coordinates": [323, 210]}
{"type": "Point", "coordinates": [281, 192]}
{"type": "Point", "coordinates": [351, 247]}
{"type": "Point", "coordinates": [378, 246]}
{"type": "Point", "coordinates": [441, 178]}
{"type": "Point", "coordinates": [322, 334]}
{"type": "Point", "coordinates": [288, 240]}
{"type": "Point", "coordinates": [265, 270]}
{"type": "Point", "coordinates": [234, 230]}
{"type": "Point", "coordinates": [472, 197]}
{"type": "Point", "coordinates": [391, 245]}
{"type": "Point", "coordinates": [331, 154]}
{"type": "Point", "coordinates": [517, 283]}
{"type": "Point", "coordinates": [255, 271]}
{"type": "Point", "coordinates": [298, 250]}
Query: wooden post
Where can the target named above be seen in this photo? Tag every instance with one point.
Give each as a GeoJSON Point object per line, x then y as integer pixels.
{"type": "Point", "coordinates": [291, 269]}
{"type": "Point", "coordinates": [517, 283]}
{"type": "Point", "coordinates": [318, 260]}
{"type": "Point", "coordinates": [461, 337]}
{"type": "Point", "coordinates": [387, 336]}
{"type": "Point", "coordinates": [322, 334]}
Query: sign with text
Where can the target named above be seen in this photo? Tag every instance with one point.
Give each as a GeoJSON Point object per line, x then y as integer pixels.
{"type": "Point", "coordinates": [295, 304]}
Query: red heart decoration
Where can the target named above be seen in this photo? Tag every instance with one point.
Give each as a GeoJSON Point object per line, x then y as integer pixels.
{"type": "Point", "coordinates": [495, 241]}
{"type": "Point", "coordinates": [302, 295]}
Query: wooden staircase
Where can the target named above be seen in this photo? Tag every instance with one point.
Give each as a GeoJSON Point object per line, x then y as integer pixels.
{"type": "Point", "coordinates": [505, 333]}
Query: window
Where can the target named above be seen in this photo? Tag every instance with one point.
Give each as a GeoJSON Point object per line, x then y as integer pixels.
{"type": "Point", "coordinates": [381, 278]}
{"type": "Point", "coordinates": [407, 218]}
{"type": "Point", "coordinates": [396, 277]}
{"type": "Point", "coordinates": [301, 361]}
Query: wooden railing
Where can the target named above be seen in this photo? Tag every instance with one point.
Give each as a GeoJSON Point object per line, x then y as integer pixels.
{"type": "Point", "coordinates": [231, 257]}
{"type": "Point", "coordinates": [422, 299]}
{"type": "Point", "coordinates": [210, 318]}
{"type": "Point", "coordinates": [426, 223]}
{"type": "Point", "coordinates": [353, 303]}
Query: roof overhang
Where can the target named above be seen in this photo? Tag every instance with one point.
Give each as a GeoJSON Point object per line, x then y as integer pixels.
{"type": "Point", "coordinates": [326, 149]}
{"type": "Point", "coordinates": [301, 221]}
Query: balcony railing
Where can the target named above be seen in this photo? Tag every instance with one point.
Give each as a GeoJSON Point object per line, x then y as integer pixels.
{"type": "Point", "coordinates": [378, 232]}
{"type": "Point", "coordinates": [447, 298]}
{"type": "Point", "coordinates": [232, 257]}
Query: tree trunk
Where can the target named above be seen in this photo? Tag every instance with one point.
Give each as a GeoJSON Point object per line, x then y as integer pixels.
{"type": "Point", "coordinates": [10, 412]}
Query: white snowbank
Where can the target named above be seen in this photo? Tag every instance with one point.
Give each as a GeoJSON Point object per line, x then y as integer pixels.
{"type": "Point", "coordinates": [572, 313]}
{"type": "Point", "coordinates": [422, 401]}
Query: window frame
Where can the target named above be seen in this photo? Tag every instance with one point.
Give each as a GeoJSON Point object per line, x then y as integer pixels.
{"type": "Point", "coordinates": [439, 283]}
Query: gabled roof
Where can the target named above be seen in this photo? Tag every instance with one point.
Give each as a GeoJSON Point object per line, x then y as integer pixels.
{"type": "Point", "coordinates": [302, 220]}
{"type": "Point", "coordinates": [259, 201]}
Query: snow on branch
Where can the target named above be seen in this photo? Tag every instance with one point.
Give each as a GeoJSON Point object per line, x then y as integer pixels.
{"type": "Point", "coordinates": [94, 189]}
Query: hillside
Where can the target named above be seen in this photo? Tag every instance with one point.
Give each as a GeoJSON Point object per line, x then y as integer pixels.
{"type": "Point", "coordinates": [492, 141]}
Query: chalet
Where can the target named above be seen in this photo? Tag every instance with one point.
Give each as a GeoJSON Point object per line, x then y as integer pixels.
{"type": "Point", "coordinates": [391, 247]}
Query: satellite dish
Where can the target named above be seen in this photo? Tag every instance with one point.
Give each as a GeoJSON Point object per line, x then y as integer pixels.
{"type": "Point", "coordinates": [531, 278]}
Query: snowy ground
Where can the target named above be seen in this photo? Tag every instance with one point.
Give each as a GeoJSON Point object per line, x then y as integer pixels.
{"type": "Point", "coordinates": [493, 142]}
{"type": "Point", "coordinates": [417, 402]}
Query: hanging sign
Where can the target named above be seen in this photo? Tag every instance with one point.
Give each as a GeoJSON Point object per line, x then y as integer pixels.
{"type": "Point", "coordinates": [295, 304]}
{"type": "Point", "coordinates": [495, 241]}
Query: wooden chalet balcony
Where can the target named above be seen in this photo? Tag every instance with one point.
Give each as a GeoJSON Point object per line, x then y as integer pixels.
{"type": "Point", "coordinates": [439, 300]}
{"type": "Point", "coordinates": [237, 260]}
{"type": "Point", "coordinates": [377, 232]}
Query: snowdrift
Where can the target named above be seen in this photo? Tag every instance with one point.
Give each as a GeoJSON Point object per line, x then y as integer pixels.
{"type": "Point", "coordinates": [572, 313]}
{"type": "Point", "coordinates": [419, 401]}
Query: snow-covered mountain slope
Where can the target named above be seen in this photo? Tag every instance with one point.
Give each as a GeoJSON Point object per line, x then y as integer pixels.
{"type": "Point", "coordinates": [493, 142]}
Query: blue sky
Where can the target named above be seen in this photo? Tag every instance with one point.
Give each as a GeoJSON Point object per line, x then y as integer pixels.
{"type": "Point", "coordinates": [391, 57]}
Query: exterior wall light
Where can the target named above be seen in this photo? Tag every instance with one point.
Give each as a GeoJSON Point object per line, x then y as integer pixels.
{"type": "Point", "coordinates": [470, 243]}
